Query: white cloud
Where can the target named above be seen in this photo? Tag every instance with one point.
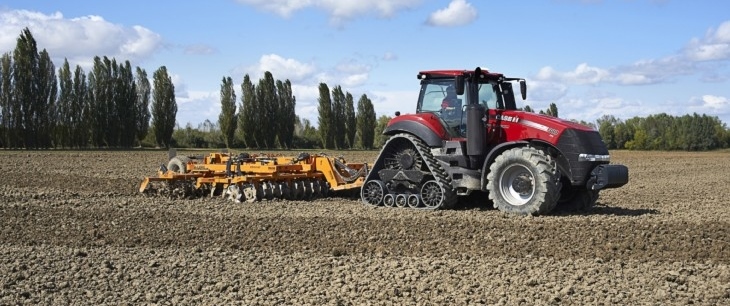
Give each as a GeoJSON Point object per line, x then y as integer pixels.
{"type": "Point", "coordinates": [181, 88]}
{"type": "Point", "coordinates": [78, 39]}
{"type": "Point", "coordinates": [715, 102]}
{"type": "Point", "coordinates": [388, 102]}
{"type": "Point", "coordinates": [390, 56]}
{"type": "Point", "coordinates": [200, 49]}
{"type": "Point", "coordinates": [545, 91]}
{"type": "Point", "coordinates": [281, 68]}
{"type": "Point", "coordinates": [714, 46]}
{"type": "Point", "coordinates": [197, 106]}
{"type": "Point", "coordinates": [338, 10]}
{"type": "Point", "coordinates": [582, 74]}
{"type": "Point", "coordinates": [458, 13]}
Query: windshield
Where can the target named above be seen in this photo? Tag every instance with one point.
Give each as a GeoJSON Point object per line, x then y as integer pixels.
{"type": "Point", "coordinates": [439, 95]}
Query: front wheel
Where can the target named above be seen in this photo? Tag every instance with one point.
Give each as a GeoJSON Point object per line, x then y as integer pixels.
{"type": "Point", "coordinates": [524, 181]}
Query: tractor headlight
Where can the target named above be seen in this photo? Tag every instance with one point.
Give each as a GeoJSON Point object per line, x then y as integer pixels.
{"type": "Point", "coordinates": [594, 157]}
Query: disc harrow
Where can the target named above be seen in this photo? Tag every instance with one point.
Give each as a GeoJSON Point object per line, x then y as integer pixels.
{"type": "Point", "coordinates": [250, 178]}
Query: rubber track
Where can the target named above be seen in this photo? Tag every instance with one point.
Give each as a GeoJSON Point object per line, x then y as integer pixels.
{"type": "Point", "coordinates": [440, 175]}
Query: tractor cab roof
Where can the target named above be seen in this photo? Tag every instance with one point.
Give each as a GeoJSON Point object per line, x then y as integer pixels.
{"type": "Point", "coordinates": [429, 74]}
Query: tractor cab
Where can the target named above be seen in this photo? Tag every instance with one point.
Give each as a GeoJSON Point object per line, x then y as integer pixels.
{"type": "Point", "coordinates": [449, 93]}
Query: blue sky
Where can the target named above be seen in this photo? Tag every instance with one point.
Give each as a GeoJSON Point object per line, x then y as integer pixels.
{"type": "Point", "coordinates": [623, 57]}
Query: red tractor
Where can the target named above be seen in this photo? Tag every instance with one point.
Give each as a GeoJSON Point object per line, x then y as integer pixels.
{"type": "Point", "coordinates": [468, 135]}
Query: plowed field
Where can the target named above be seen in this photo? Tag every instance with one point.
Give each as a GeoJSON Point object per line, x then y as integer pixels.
{"type": "Point", "coordinates": [74, 230]}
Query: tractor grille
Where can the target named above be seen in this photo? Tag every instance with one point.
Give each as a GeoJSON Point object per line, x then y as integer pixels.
{"type": "Point", "coordinates": [574, 142]}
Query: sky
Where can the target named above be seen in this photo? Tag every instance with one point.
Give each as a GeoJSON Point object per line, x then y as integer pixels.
{"type": "Point", "coordinates": [624, 58]}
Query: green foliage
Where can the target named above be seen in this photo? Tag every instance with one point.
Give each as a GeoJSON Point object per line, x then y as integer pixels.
{"type": "Point", "coordinates": [366, 122]}
{"type": "Point", "coordinates": [305, 135]}
{"type": "Point", "coordinates": [382, 123]}
{"type": "Point", "coordinates": [227, 118]}
{"type": "Point", "coordinates": [206, 135]}
{"type": "Point", "coordinates": [552, 110]}
{"type": "Point", "coordinates": [164, 107]}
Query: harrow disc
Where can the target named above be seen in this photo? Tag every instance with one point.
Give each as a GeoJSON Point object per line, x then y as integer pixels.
{"type": "Point", "coordinates": [234, 193]}
{"type": "Point", "coordinates": [249, 193]}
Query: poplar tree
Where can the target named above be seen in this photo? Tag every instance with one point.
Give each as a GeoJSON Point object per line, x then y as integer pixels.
{"type": "Point", "coordinates": [366, 122]}
{"type": "Point", "coordinates": [326, 117]}
{"type": "Point", "coordinates": [80, 110]}
{"type": "Point", "coordinates": [62, 134]}
{"type": "Point", "coordinates": [227, 118]}
{"type": "Point", "coordinates": [350, 121]}
{"type": "Point", "coordinates": [338, 117]}
{"type": "Point", "coordinates": [8, 105]}
{"type": "Point", "coordinates": [125, 97]}
{"type": "Point", "coordinates": [25, 89]}
{"type": "Point", "coordinates": [248, 121]}
{"type": "Point", "coordinates": [142, 104]}
{"type": "Point", "coordinates": [45, 118]}
{"type": "Point", "coordinates": [267, 111]}
{"type": "Point", "coordinates": [164, 107]}
{"type": "Point", "coordinates": [287, 114]}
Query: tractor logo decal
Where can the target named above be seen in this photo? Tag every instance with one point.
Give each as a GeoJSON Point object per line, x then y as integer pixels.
{"type": "Point", "coordinates": [538, 126]}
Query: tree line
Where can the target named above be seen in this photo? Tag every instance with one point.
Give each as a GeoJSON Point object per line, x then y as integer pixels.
{"type": "Point", "coordinates": [266, 119]}
{"type": "Point", "coordinates": [107, 108]}
{"type": "Point", "coordinates": [658, 132]}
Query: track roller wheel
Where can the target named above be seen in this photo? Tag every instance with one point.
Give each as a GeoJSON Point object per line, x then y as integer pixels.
{"type": "Point", "coordinates": [372, 192]}
{"type": "Point", "coordinates": [389, 200]}
{"type": "Point", "coordinates": [401, 200]}
{"type": "Point", "coordinates": [432, 194]}
{"type": "Point", "coordinates": [413, 201]}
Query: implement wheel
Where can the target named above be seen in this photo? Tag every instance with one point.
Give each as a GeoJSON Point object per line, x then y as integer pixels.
{"type": "Point", "coordinates": [178, 164]}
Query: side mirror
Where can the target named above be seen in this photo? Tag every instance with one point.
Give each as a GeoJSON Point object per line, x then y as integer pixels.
{"type": "Point", "coordinates": [459, 85]}
{"type": "Point", "coordinates": [523, 89]}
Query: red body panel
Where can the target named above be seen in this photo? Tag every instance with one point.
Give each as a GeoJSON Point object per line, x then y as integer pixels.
{"type": "Point", "coordinates": [512, 125]}
{"type": "Point", "coordinates": [430, 120]}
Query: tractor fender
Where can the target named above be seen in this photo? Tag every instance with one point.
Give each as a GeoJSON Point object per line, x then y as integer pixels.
{"type": "Point", "coordinates": [560, 160]}
{"type": "Point", "coordinates": [417, 129]}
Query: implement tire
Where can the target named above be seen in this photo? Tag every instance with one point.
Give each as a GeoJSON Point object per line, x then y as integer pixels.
{"type": "Point", "coordinates": [524, 181]}
{"type": "Point", "coordinates": [178, 164]}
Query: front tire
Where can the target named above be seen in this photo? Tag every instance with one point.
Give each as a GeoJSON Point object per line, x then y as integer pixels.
{"type": "Point", "coordinates": [524, 181]}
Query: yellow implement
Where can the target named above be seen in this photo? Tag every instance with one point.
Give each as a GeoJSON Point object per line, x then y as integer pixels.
{"type": "Point", "coordinates": [246, 177]}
